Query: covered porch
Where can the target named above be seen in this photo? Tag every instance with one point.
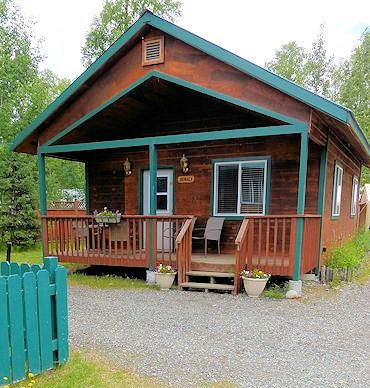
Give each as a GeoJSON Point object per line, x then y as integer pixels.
{"type": "Point", "coordinates": [278, 235]}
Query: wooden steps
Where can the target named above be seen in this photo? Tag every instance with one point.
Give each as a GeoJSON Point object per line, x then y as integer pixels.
{"type": "Point", "coordinates": [212, 284]}
{"type": "Point", "coordinates": [208, 286]}
{"type": "Point", "coordinates": [211, 274]}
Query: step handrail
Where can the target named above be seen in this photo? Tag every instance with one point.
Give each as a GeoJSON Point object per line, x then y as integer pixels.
{"type": "Point", "coordinates": [184, 250]}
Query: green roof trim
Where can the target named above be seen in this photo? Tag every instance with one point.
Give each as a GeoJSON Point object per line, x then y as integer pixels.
{"type": "Point", "coordinates": [177, 81]}
{"type": "Point", "coordinates": [320, 103]}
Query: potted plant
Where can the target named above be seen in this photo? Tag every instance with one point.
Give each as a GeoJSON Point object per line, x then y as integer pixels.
{"type": "Point", "coordinates": [107, 217]}
{"type": "Point", "coordinates": [254, 281]}
{"type": "Point", "coordinates": [165, 276]}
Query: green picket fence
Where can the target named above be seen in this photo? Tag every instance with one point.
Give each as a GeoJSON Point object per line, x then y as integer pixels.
{"type": "Point", "coordinates": [33, 319]}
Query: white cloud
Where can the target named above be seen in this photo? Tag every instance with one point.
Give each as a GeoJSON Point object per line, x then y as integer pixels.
{"type": "Point", "coordinates": [253, 30]}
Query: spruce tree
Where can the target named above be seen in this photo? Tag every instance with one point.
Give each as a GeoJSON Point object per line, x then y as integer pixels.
{"type": "Point", "coordinates": [18, 223]}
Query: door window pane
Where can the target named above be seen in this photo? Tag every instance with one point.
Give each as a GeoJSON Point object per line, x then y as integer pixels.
{"type": "Point", "coordinates": [162, 184]}
{"type": "Point", "coordinates": [161, 201]}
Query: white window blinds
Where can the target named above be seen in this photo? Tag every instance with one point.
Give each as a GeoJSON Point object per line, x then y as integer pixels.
{"type": "Point", "coordinates": [240, 187]}
{"type": "Point", "coordinates": [252, 188]}
{"type": "Point", "coordinates": [337, 190]}
{"type": "Point", "coordinates": [354, 196]}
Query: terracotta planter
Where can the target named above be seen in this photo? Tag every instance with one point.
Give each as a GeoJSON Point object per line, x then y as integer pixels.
{"type": "Point", "coordinates": [164, 280]}
{"type": "Point", "coordinates": [254, 287]}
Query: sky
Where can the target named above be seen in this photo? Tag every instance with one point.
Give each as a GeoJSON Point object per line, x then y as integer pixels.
{"type": "Point", "coordinates": [251, 29]}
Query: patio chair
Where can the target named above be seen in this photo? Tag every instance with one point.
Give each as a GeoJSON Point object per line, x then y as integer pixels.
{"type": "Point", "coordinates": [212, 231]}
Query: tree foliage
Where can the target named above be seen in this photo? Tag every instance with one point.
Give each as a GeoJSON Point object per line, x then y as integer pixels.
{"type": "Point", "coordinates": [116, 17]}
{"type": "Point", "coordinates": [24, 92]}
{"type": "Point", "coordinates": [345, 81]}
{"type": "Point", "coordinates": [18, 222]}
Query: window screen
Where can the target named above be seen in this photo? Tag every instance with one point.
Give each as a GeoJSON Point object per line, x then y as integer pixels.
{"type": "Point", "coordinates": [252, 188]}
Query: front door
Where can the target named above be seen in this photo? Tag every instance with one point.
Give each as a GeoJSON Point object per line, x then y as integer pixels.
{"type": "Point", "coordinates": [164, 202]}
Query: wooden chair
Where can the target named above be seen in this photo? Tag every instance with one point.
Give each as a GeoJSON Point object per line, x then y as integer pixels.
{"type": "Point", "coordinates": [212, 231]}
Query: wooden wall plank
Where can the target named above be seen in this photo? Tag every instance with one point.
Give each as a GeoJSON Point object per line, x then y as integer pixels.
{"type": "Point", "coordinates": [45, 324]}
{"type": "Point", "coordinates": [31, 322]}
{"type": "Point", "coordinates": [61, 314]}
{"type": "Point", "coordinates": [5, 365]}
{"type": "Point", "coordinates": [16, 320]}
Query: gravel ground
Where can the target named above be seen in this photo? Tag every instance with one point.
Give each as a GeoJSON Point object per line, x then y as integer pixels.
{"type": "Point", "coordinates": [189, 338]}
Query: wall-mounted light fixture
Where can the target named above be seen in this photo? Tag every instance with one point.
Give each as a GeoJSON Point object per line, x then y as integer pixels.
{"type": "Point", "coordinates": [127, 167]}
{"type": "Point", "coordinates": [184, 163]}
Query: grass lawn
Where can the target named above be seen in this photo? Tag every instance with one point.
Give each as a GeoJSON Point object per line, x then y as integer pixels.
{"type": "Point", "coordinates": [76, 272]}
{"type": "Point", "coordinates": [88, 370]}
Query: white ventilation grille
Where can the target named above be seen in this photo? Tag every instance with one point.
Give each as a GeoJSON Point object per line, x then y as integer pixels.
{"type": "Point", "coordinates": [153, 51]}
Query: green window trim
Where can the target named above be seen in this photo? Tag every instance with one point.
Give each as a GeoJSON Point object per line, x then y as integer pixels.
{"type": "Point", "coordinates": [240, 161]}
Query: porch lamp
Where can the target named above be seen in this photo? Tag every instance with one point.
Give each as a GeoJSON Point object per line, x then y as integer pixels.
{"type": "Point", "coordinates": [184, 163]}
{"type": "Point", "coordinates": [127, 167]}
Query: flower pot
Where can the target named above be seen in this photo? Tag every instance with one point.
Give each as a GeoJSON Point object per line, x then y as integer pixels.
{"type": "Point", "coordinates": [254, 287]}
{"type": "Point", "coordinates": [164, 280]}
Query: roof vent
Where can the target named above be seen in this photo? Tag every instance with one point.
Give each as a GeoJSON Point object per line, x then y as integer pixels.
{"type": "Point", "coordinates": [153, 51]}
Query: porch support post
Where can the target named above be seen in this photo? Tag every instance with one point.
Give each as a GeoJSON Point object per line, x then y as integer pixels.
{"type": "Point", "coordinates": [87, 189]}
{"type": "Point", "coordinates": [42, 193]}
{"type": "Point", "coordinates": [321, 197]}
{"type": "Point", "coordinates": [301, 204]}
{"type": "Point", "coordinates": [153, 197]}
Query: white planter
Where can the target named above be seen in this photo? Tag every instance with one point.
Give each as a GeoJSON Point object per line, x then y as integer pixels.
{"type": "Point", "coordinates": [164, 280]}
{"type": "Point", "coordinates": [254, 287]}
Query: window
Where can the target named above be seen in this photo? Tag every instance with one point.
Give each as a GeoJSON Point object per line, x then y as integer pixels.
{"type": "Point", "coordinates": [240, 188]}
{"type": "Point", "coordinates": [337, 190]}
{"type": "Point", "coordinates": [354, 199]}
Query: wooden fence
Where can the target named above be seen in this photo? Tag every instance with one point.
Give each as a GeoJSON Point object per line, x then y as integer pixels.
{"type": "Point", "coordinates": [33, 319]}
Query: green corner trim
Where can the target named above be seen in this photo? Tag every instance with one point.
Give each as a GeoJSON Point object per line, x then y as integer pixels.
{"type": "Point", "coordinates": [42, 194]}
{"type": "Point", "coordinates": [321, 198]}
{"type": "Point", "coordinates": [181, 138]}
{"type": "Point", "coordinates": [300, 204]}
{"type": "Point", "coordinates": [87, 188]}
{"type": "Point", "coordinates": [337, 111]}
{"type": "Point", "coordinates": [42, 183]}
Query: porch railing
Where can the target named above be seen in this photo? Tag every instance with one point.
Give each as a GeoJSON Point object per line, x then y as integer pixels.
{"type": "Point", "coordinates": [268, 242]}
{"type": "Point", "coordinates": [80, 239]}
{"type": "Point", "coordinates": [183, 250]}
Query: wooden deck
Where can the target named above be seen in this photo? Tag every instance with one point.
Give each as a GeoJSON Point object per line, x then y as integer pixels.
{"type": "Point", "coordinates": [267, 243]}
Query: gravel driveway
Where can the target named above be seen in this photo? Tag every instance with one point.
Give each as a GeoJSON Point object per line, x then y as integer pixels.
{"type": "Point", "coordinates": [189, 338]}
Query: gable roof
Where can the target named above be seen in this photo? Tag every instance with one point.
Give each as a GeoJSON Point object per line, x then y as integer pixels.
{"type": "Point", "coordinates": [149, 19]}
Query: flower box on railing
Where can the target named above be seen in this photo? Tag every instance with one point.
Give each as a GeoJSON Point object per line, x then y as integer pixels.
{"type": "Point", "coordinates": [108, 218]}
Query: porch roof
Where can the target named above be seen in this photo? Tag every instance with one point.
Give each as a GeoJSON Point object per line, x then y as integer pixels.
{"type": "Point", "coordinates": [159, 105]}
{"type": "Point", "coordinates": [147, 20]}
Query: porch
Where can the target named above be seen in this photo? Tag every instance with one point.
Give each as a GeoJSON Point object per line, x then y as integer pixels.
{"type": "Point", "coordinates": [266, 242]}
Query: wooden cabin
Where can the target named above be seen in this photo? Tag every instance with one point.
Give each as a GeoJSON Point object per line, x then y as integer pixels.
{"type": "Point", "coordinates": [279, 163]}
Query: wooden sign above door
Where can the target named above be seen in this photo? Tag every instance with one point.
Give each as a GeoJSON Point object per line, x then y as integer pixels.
{"type": "Point", "coordinates": [185, 179]}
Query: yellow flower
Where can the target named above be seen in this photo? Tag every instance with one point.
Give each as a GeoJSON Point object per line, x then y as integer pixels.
{"type": "Point", "coordinates": [30, 375]}
{"type": "Point", "coordinates": [6, 386]}
{"type": "Point", "coordinates": [33, 381]}
{"type": "Point", "coordinates": [5, 378]}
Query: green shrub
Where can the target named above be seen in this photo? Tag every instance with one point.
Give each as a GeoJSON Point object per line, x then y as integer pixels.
{"type": "Point", "coordinates": [351, 253]}
{"type": "Point", "coordinates": [274, 291]}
